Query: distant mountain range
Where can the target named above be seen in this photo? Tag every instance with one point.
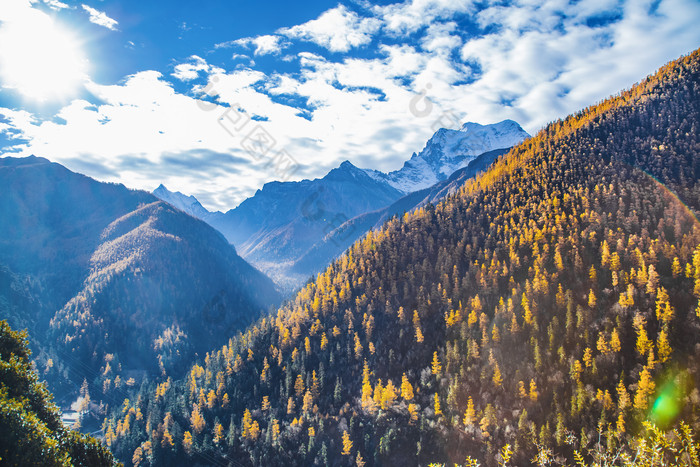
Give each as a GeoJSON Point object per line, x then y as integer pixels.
{"type": "Point", "coordinates": [292, 230]}
{"type": "Point", "coordinates": [104, 276]}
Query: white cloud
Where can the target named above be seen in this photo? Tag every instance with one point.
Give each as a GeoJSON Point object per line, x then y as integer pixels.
{"type": "Point", "coordinates": [56, 5]}
{"type": "Point", "coordinates": [411, 15]}
{"type": "Point", "coordinates": [441, 38]}
{"type": "Point", "coordinates": [191, 70]}
{"type": "Point", "coordinates": [17, 120]}
{"type": "Point", "coordinates": [338, 30]}
{"type": "Point", "coordinates": [135, 136]}
{"type": "Point", "coordinates": [547, 65]}
{"type": "Point", "coordinates": [264, 45]}
{"type": "Point", "coordinates": [100, 18]}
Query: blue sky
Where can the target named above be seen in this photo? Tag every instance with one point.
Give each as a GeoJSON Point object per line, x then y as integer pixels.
{"type": "Point", "coordinates": [216, 98]}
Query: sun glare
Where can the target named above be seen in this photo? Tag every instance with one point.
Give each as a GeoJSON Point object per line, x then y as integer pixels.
{"type": "Point", "coordinates": [44, 63]}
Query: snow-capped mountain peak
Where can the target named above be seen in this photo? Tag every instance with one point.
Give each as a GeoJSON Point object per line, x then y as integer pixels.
{"type": "Point", "coordinates": [450, 150]}
{"type": "Point", "coordinates": [188, 204]}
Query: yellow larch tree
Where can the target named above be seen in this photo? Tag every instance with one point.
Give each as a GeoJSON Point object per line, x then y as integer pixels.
{"type": "Point", "coordinates": [275, 430]}
{"type": "Point", "coordinates": [643, 343]}
{"type": "Point", "coordinates": [254, 431]}
{"type": "Point", "coordinates": [435, 365]}
{"type": "Point", "coordinates": [469, 413]}
{"type": "Point", "coordinates": [676, 268]}
{"type": "Point", "coordinates": [588, 357]}
{"type": "Point", "coordinates": [620, 424]}
{"type": "Point", "coordinates": [436, 405]}
{"type": "Point", "coordinates": [623, 397]}
{"type": "Point", "coordinates": [417, 326]}
{"type": "Point", "coordinates": [388, 395]}
{"type": "Point", "coordinates": [413, 412]}
{"type": "Point", "coordinates": [576, 371]}
{"type": "Point", "coordinates": [664, 310]}
{"type": "Point", "coordinates": [497, 378]}
{"type": "Point", "coordinates": [615, 343]}
{"type": "Point", "coordinates": [246, 423]}
{"type": "Point", "coordinates": [265, 369]}
{"type": "Point", "coordinates": [299, 386]}
{"type": "Point", "coordinates": [591, 299]}
{"type": "Point", "coordinates": [602, 344]}
{"type": "Point", "coordinates": [645, 388]}
{"type": "Point", "coordinates": [406, 388]}
{"type": "Point", "coordinates": [527, 312]}
{"type": "Point", "coordinates": [187, 442]}
{"type": "Point", "coordinates": [663, 346]}
{"type": "Point", "coordinates": [347, 444]}
{"type": "Point", "coordinates": [218, 433]}
{"type": "Point", "coordinates": [522, 392]}
{"type": "Point", "coordinates": [533, 391]}
{"type": "Point", "coordinates": [378, 393]}
{"type": "Point", "coordinates": [307, 403]}
{"type": "Point", "coordinates": [211, 399]}
{"type": "Point", "coordinates": [358, 347]}
{"type": "Point", "coordinates": [197, 420]}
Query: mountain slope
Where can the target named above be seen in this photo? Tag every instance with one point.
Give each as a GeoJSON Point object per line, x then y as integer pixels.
{"type": "Point", "coordinates": [98, 271]}
{"type": "Point", "coordinates": [130, 301]}
{"type": "Point", "coordinates": [541, 307]}
{"type": "Point", "coordinates": [53, 217]}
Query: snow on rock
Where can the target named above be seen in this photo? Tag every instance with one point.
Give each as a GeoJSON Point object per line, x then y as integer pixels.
{"type": "Point", "coordinates": [451, 150]}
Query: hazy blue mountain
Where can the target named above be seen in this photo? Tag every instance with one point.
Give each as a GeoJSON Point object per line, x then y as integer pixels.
{"type": "Point", "coordinates": [52, 219]}
{"type": "Point", "coordinates": [282, 221]}
{"type": "Point", "coordinates": [107, 272]}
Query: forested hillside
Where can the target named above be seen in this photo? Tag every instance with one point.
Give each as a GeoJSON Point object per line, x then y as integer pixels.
{"type": "Point", "coordinates": [550, 305]}
{"type": "Point", "coordinates": [31, 431]}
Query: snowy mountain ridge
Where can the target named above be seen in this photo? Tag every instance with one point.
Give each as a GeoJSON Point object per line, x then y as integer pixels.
{"type": "Point", "coordinates": [188, 204]}
{"type": "Point", "coordinates": [450, 150]}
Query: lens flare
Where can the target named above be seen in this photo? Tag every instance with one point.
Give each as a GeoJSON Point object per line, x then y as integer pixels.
{"type": "Point", "coordinates": [669, 402]}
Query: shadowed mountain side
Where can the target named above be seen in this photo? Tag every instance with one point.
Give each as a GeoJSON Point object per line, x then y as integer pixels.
{"type": "Point", "coordinates": [283, 220]}
{"type": "Point", "coordinates": [53, 217]}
